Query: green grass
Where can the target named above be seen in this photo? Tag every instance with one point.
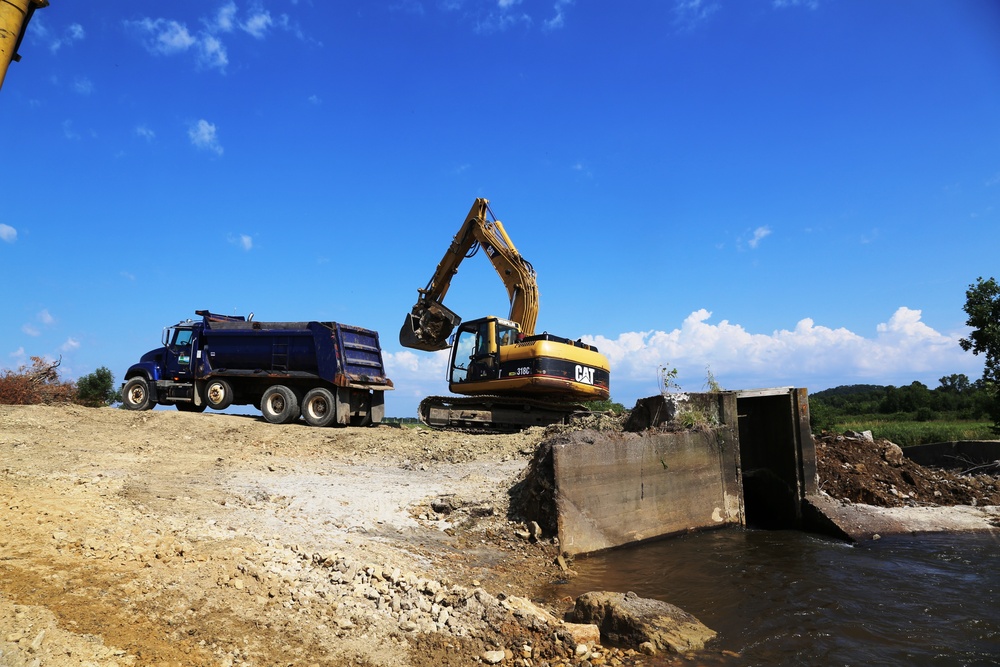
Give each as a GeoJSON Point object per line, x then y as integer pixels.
{"type": "Point", "coordinates": [906, 433]}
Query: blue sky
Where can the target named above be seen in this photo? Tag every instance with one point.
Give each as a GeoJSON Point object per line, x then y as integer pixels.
{"type": "Point", "coordinates": [786, 192]}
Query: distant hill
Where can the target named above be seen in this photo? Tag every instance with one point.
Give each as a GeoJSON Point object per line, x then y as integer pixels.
{"type": "Point", "coordinates": [849, 390]}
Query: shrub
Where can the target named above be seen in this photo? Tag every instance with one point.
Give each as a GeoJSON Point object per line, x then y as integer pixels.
{"type": "Point", "coordinates": [97, 389]}
{"type": "Point", "coordinates": [38, 383]}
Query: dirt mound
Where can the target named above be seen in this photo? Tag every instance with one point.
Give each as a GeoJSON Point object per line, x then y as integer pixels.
{"type": "Point", "coordinates": [876, 472]}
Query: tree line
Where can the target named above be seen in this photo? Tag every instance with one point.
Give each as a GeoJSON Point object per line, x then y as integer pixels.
{"type": "Point", "coordinates": [956, 397]}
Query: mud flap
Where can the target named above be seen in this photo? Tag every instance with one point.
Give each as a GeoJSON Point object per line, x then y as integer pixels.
{"type": "Point", "coordinates": [377, 410]}
{"type": "Point", "coordinates": [343, 407]}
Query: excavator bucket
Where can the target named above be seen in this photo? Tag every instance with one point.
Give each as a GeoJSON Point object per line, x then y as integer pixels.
{"type": "Point", "coordinates": [428, 326]}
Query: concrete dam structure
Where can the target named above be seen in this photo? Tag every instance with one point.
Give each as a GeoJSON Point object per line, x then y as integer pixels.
{"type": "Point", "coordinates": [685, 462]}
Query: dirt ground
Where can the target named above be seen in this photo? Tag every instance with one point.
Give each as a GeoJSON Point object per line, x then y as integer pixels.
{"type": "Point", "coordinates": [170, 538]}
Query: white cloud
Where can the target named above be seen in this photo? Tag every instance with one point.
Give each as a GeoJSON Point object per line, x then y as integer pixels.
{"type": "Point", "coordinates": [166, 37]}
{"type": "Point", "coordinates": [83, 86]}
{"type": "Point", "coordinates": [809, 4]}
{"type": "Point", "coordinates": [903, 349]}
{"type": "Point", "coordinates": [163, 36]}
{"type": "Point", "coordinates": [7, 233]}
{"type": "Point", "coordinates": [30, 330]}
{"type": "Point", "coordinates": [70, 345]}
{"type": "Point", "coordinates": [212, 53]}
{"type": "Point", "coordinates": [690, 13]}
{"type": "Point", "coordinates": [758, 235]}
{"type": "Point", "coordinates": [243, 241]}
{"type": "Point", "coordinates": [68, 131]}
{"type": "Point", "coordinates": [203, 135]}
{"type": "Point", "coordinates": [416, 375]}
{"type": "Point", "coordinates": [74, 33]}
{"type": "Point", "coordinates": [258, 23]}
{"type": "Point", "coordinates": [558, 19]}
{"type": "Point", "coordinates": [145, 133]}
{"type": "Point", "coordinates": [225, 19]}
{"type": "Point", "coordinates": [45, 317]}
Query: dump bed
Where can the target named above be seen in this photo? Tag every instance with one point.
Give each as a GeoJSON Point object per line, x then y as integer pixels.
{"type": "Point", "coordinates": [342, 354]}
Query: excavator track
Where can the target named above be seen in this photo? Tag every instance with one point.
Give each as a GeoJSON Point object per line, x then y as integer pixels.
{"type": "Point", "coordinates": [494, 413]}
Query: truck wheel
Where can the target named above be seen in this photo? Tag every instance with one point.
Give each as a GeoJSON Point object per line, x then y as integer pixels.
{"type": "Point", "coordinates": [279, 405]}
{"type": "Point", "coordinates": [319, 407]}
{"type": "Point", "coordinates": [135, 394]}
{"type": "Point", "coordinates": [218, 394]}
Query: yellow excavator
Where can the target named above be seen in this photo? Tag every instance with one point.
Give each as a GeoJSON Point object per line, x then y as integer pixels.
{"type": "Point", "coordinates": [14, 17]}
{"type": "Point", "coordinates": [511, 377]}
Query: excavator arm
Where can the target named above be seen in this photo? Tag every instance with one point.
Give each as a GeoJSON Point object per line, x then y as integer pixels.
{"type": "Point", "coordinates": [430, 323]}
{"type": "Point", "coordinates": [14, 18]}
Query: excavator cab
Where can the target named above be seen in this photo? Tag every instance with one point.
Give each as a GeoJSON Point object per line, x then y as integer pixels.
{"type": "Point", "coordinates": [475, 353]}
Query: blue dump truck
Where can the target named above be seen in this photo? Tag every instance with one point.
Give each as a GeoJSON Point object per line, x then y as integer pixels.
{"type": "Point", "coordinates": [330, 373]}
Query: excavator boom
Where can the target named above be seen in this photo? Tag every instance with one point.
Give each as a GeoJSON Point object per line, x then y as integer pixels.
{"type": "Point", "coordinates": [14, 17]}
{"type": "Point", "coordinates": [430, 323]}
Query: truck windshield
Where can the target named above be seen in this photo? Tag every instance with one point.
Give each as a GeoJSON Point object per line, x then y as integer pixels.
{"type": "Point", "coordinates": [182, 338]}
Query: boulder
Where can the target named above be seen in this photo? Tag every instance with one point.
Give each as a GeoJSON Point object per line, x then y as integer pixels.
{"type": "Point", "coordinates": [627, 619]}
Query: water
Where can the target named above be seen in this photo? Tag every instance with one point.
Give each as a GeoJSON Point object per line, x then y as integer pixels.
{"type": "Point", "coordinates": [790, 598]}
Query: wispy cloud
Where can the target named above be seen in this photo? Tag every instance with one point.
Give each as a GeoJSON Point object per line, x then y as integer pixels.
{"type": "Point", "coordinates": [7, 233]}
{"type": "Point", "coordinates": [558, 19]}
{"type": "Point", "coordinates": [203, 135]}
{"type": "Point", "coordinates": [167, 37]}
{"type": "Point", "coordinates": [144, 132]}
{"type": "Point", "coordinates": [68, 131]}
{"type": "Point", "coordinates": [759, 234]}
{"type": "Point", "coordinates": [163, 36]}
{"type": "Point", "coordinates": [42, 317]}
{"type": "Point", "coordinates": [70, 345]}
{"type": "Point", "coordinates": [83, 85]}
{"type": "Point", "coordinates": [244, 241]}
{"type": "Point", "coordinates": [688, 14]}
{"type": "Point", "coordinates": [808, 4]}
{"type": "Point", "coordinates": [38, 29]}
{"type": "Point", "coordinates": [257, 24]}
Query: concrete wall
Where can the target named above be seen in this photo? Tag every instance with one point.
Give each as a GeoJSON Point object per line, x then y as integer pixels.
{"type": "Point", "coordinates": [615, 488]}
{"type": "Point", "coordinates": [964, 454]}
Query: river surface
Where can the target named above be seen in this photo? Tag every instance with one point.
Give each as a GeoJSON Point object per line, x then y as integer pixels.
{"type": "Point", "coordinates": [791, 598]}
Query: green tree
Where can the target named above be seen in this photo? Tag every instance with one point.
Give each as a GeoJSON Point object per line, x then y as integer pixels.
{"type": "Point", "coordinates": [97, 389]}
{"type": "Point", "coordinates": [982, 305]}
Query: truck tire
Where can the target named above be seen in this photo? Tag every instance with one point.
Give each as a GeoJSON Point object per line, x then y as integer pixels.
{"type": "Point", "coordinates": [279, 405]}
{"type": "Point", "coordinates": [218, 394]}
{"type": "Point", "coordinates": [319, 407]}
{"type": "Point", "coordinates": [136, 395]}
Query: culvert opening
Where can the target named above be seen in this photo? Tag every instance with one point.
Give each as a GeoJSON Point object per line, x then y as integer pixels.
{"type": "Point", "coordinates": [777, 471]}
